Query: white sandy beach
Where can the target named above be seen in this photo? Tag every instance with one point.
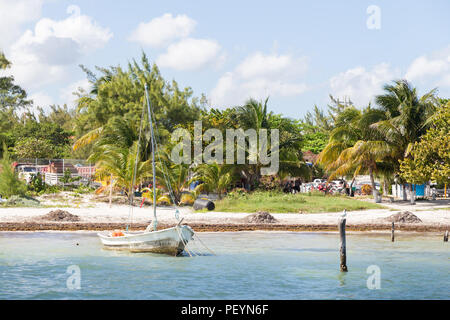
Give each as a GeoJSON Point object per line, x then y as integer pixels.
{"type": "Point", "coordinates": [99, 212]}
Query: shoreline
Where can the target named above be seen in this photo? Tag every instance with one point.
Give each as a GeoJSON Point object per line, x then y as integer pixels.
{"type": "Point", "coordinates": [98, 216]}
{"type": "Point", "coordinates": [203, 227]}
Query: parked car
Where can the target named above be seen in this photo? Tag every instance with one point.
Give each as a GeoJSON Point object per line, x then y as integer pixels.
{"type": "Point", "coordinates": [317, 182]}
{"type": "Point", "coordinates": [25, 172]}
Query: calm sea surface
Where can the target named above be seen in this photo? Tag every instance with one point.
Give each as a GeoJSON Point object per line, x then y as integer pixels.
{"type": "Point", "coordinates": [248, 265]}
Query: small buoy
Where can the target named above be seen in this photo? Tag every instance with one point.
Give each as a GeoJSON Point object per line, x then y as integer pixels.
{"type": "Point", "coordinates": [77, 244]}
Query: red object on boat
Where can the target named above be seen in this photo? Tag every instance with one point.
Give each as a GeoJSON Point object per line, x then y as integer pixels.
{"type": "Point", "coordinates": [117, 234]}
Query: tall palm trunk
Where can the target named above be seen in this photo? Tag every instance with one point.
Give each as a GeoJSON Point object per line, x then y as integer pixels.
{"type": "Point", "coordinates": [412, 194]}
{"type": "Point", "coordinates": [404, 192]}
{"type": "Point", "coordinates": [385, 187]}
{"type": "Point", "coordinates": [372, 182]}
{"type": "Point", "coordinates": [351, 186]}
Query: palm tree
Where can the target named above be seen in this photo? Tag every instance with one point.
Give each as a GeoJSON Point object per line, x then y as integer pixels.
{"type": "Point", "coordinates": [119, 163]}
{"type": "Point", "coordinates": [118, 132]}
{"type": "Point", "coordinates": [253, 114]}
{"type": "Point", "coordinates": [354, 147]}
{"type": "Point", "coordinates": [406, 115]}
{"type": "Point", "coordinates": [292, 165]}
{"type": "Point", "coordinates": [171, 176]}
{"type": "Point", "coordinates": [406, 121]}
{"type": "Point", "coordinates": [4, 63]}
{"type": "Point", "coordinates": [214, 177]}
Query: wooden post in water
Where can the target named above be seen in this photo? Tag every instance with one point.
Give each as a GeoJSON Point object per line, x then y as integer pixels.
{"type": "Point", "coordinates": [342, 244]}
{"type": "Point", "coordinates": [392, 232]}
{"type": "Point", "coordinates": [446, 236]}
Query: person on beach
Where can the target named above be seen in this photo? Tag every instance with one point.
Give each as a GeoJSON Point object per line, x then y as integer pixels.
{"type": "Point", "coordinates": [297, 185]}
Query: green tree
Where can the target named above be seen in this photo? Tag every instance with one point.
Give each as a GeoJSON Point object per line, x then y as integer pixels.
{"type": "Point", "coordinates": [430, 157]}
{"type": "Point", "coordinates": [12, 96]}
{"type": "Point", "coordinates": [29, 148]}
{"type": "Point", "coordinates": [120, 163]}
{"type": "Point", "coordinates": [314, 140]}
{"type": "Point", "coordinates": [255, 115]}
{"type": "Point", "coordinates": [214, 177]}
{"type": "Point", "coordinates": [4, 63]}
{"type": "Point", "coordinates": [35, 139]}
{"type": "Point", "coordinates": [406, 120]}
{"type": "Point", "coordinates": [406, 117]}
{"type": "Point", "coordinates": [171, 177]}
{"type": "Point", "coordinates": [62, 116]}
{"type": "Point", "coordinates": [354, 147]}
{"type": "Point", "coordinates": [10, 184]}
{"type": "Point", "coordinates": [119, 93]}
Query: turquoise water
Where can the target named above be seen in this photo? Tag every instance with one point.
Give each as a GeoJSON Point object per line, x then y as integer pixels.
{"type": "Point", "coordinates": [248, 265]}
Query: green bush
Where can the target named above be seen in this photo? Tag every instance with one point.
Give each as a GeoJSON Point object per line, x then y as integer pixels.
{"type": "Point", "coordinates": [10, 184]}
{"type": "Point", "coordinates": [237, 193]}
{"type": "Point", "coordinates": [82, 189]}
{"type": "Point", "coordinates": [36, 183]}
{"type": "Point", "coordinates": [163, 200]}
{"type": "Point", "coordinates": [187, 199]}
{"type": "Point", "coordinates": [51, 189]}
{"type": "Point", "coordinates": [21, 201]}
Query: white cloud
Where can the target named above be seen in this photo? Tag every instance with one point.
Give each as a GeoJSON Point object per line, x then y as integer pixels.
{"type": "Point", "coordinates": [445, 81]}
{"type": "Point", "coordinates": [191, 54]}
{"type": "Point", "coordinates": [41, 99]}
{"type": "Point", "coordinates": [259, 76]}
{"type": "Point", "coordinates": [43, 55]}
{"type": "Point", "coordinates": [77, 28]}
{"type": "Point", "coordinates": [260, 65]}
{"type": "Point", "coordinates": [422, 67]}
{"type": "Point", "coordinates": [162, 30]}
{"type": "Point", "coordinates": [67, 94]}
{"type": "Point", "coordinates": [361, 85]}
{"type": "Point", "coordinates": [13, 14]}
{"type": "Point", "coordinates": [434, 67]}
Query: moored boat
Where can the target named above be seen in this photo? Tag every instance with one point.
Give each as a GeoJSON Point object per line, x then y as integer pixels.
{"type": "Point", "coordinates": [168, 241]}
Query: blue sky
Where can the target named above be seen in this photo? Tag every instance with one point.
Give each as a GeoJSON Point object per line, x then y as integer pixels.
{"type": "Point", "coordinates": [297, 52]}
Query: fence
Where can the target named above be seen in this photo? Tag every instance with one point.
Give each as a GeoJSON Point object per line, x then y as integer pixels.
{"type": "Point", "coordinates": [53, 170]}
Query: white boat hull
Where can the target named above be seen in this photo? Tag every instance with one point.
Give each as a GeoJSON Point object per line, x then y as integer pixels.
{"type": "Point", "coordinates": [169, 241]}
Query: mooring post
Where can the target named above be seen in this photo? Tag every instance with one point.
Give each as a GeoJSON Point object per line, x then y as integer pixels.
{"type": "Point", "coordinates": [342, 244]}
{"type": "Point", "coordinates": [392, 232]}
{"type": "Point", "coordinates": [446, 236]}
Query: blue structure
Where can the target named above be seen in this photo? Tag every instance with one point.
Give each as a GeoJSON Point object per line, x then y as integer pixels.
{"type": "Point", "coordinates": [420, 189]}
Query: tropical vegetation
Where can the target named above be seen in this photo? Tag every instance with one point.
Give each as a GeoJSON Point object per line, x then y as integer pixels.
{"type": "Point", "coordinates": [403, 136]}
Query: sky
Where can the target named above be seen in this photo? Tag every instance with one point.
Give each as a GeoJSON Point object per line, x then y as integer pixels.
{"type": "Point", "coordinates": [295, 52]}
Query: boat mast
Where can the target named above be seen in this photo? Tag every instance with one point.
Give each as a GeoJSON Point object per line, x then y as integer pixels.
{"type": "Point", "coordinates": [155, 222]}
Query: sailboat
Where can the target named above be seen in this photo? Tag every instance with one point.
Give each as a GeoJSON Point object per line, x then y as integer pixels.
{"type": "Point", "coordinates": [171, 241]}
